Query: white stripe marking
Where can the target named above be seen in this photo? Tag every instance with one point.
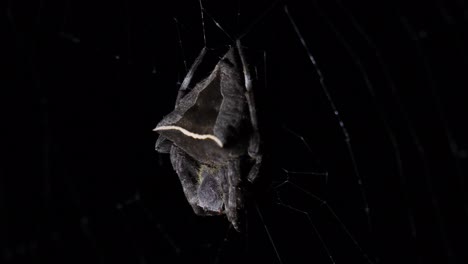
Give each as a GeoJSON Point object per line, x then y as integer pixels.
{"type": "Point", "coordinates": [191, 134]}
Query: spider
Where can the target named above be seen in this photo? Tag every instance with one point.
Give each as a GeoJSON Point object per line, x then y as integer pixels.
{"type": "Point", "coordinates": [212, 137]}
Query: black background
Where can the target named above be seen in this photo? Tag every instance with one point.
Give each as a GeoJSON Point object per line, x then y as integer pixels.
{"type": "Point", "coordinates": [87, 81]}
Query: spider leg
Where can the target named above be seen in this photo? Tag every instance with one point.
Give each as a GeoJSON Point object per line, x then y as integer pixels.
{"type": "Point", "coordinates": [235, 199]}
{"type": "Point", "coordinates": [254, 142]}
{"type": "Point", "coordinates": [185, 86]}
{"type": "Point", "coordinates": [186, 168]}
{"type": "Point", "coordinates": [163, 144]}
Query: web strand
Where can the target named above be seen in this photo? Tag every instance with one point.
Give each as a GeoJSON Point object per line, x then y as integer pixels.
{"type": "Point", "coordinates": [337, 116]}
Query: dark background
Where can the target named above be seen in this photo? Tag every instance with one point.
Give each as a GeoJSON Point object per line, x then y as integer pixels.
{"type": "Point", "coordinates": [87, 81]}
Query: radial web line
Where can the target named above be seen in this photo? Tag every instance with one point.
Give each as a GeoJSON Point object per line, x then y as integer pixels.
{"type": "Point", "coordinates": [313, 226]}
{"type": "Point", "coordinates": [268, 234]}
{"type": "Point", "coordinates": [335, 216]}
{"type": "Point", "coordinates": [180, 44]}
{"type": "Point", "coordinates": [396, 98]}
{"type": "Point", "coordinates": [337, 116]}
{"type": "Point", "coordinates": [202, 22]}
{"type": "Point", "coordinates": [429, 185]}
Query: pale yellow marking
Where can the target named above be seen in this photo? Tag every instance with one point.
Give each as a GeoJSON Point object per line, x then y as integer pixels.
{"type": "Point", "coordinates": [191, 134]}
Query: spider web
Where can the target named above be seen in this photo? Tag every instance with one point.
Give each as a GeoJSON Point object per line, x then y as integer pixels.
{"type": "Point", "coordinates": [361, 112]}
